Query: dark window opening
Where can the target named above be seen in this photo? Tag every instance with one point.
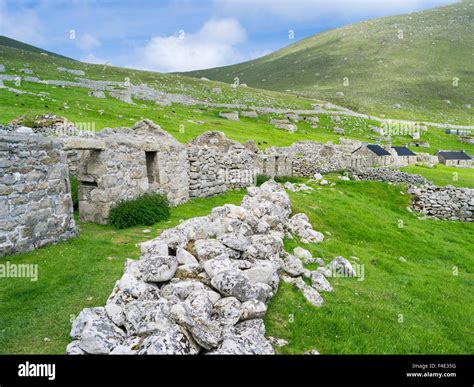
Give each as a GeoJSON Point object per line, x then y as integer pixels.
{"type": "Point", "coordinates": [151, 167]}
{"type": "Point", "coordinates": [89, 183]}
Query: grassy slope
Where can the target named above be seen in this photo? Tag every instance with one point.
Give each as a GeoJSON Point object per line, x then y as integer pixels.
{"type": "Point", "coordinates": [110, 112]}
{"type": "Point", "coordinates": [383, 70]}
{"type": "Point", "coordinates": [45, 67]}
{"type": "Point", "coordinates": [85, 109]}
{"type": "Point", "coordinates": [360, 317]}
{"type": "Point", "coordinates": [442, 175]}
{"type": "Point", "coordinates": [363, 316]}
{"type": "Point", "coordinates": [8, 42]}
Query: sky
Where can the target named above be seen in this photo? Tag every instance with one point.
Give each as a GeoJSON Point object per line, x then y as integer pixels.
{"type": "Point", "coordinates": [183, 35]}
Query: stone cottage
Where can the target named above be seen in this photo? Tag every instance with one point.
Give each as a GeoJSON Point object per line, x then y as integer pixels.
{"type": "Point", "coordinates": [455, 158]}
{"type": "Point", "coordinates": [402, 156]}
{"type": "Point", "coordinates": [122, 164]}
{"type": "Point", "coordinates": [35, 194]}
{"type": "Point", "coordinates": [369, 155]}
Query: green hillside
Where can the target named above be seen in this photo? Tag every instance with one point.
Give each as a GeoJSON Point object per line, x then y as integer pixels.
{"type": "Point", "coordinates": [8, 42]}
{"type": "Point", "coordinates": [182, 121]}
{"type": "Point", "coordinates": [402, 66]}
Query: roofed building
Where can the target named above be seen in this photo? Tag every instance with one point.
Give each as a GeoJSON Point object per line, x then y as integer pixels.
{"type": "Point", "coordinates": [455, 158]}
{"type": "Point", "coordinates": [402, 156]}
{"type": "Point", "coordinates": [369, 155]}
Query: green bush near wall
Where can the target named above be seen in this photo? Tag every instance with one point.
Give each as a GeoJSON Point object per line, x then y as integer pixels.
{"type": "Point", "coordinates": [146, 211]}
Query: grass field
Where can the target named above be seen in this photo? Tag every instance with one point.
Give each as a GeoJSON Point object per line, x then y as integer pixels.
{"type": "Point", "coordinates": [408, 307]}
{"type": "Point", "coordinates": [73, 275]}
{"type": "Point", "coordinates": [360, 317]}
{"type": "Point", "coordinates": [442, 175]}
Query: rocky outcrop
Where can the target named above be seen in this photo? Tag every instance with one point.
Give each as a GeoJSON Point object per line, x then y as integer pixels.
{"type": "Point", "coordinates": [284, 125]}
{"type": "Point", "coordinates": [201, 287]}
{"type": "Point", "coordinates": [444, 202]}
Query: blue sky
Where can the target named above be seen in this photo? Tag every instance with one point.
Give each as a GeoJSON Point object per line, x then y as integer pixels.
{"type": "Point", "coordinates": [181, 35]}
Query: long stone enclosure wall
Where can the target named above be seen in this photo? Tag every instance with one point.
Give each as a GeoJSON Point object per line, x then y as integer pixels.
{"type": "Point", "coordinates": [35, 194]}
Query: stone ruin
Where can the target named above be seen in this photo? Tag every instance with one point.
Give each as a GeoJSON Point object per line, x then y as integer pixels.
{"type": "Point", "coordinates": [124, 163]}
{"type": "Point", "coordinates": [120, 164]}
{"type": "Point", "coordinates": [35, 194]}
{"type": "Point", "coordinates": [217, 164]}
{"type": "Point", "coordinates": [203, 287]}
{"type": "Point", "coordinates": [444, 202]}
{"type": "Point", "coordinates": [305, 159]}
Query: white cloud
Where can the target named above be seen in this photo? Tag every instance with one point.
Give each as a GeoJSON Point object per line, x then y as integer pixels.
{"type": "Point", "coordinates": [87, 42]}
{"type": "Point", "coordinates": [21, 24]}
{"type": "Point", "coordinates": [213, 45]}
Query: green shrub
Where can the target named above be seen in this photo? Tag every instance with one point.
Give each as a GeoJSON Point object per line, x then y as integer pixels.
{"type": "Point", "coordinates": [74, 191]}
{"type": "Point", "coordinates": [261, 179]}
{"type": "Point", "coordinates": [145, 211]}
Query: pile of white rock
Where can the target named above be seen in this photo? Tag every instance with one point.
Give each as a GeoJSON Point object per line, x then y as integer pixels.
{"type": "Point", "coordinates": [203, 286]}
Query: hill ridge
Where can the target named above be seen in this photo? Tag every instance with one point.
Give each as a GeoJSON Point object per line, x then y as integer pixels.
{"type": "Point", "coordinates": [403, 66]}
{"type": "Point", "coordinates": [13, 43]}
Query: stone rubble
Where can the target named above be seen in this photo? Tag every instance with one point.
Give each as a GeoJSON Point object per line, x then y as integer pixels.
{"type": "Point", "coordinates": [237, 255]}
{"type": "Point", "coordinates": [71, 71]}
{"type": "Point", "coordinates": [284, 125]}
{"type": "Point", "coordinates": [233, 116]}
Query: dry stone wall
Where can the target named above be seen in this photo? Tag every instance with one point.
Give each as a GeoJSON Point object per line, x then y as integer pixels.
{"type": "Point", "coordinates": [444, 202]}
{"type": "Point", "coordinates": [390, 176]}
{"type": "Point", "coordinates": [35, 197]}
{"type": "Point", "coordinates": [217, 164]}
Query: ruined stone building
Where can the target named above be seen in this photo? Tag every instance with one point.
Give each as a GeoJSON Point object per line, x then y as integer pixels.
{"type": "Point", "coordinates": [217, 164]}
{"type": "Point", "coordinates": [35, 194]}
{"type": "Point", "coordinates": [125, 163]}
{"type": "Point", "coordinates": [121, 164]}
{"type": "Point", "coordinates": [305, 159]}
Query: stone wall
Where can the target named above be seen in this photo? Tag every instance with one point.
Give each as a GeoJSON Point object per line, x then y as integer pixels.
{"type": "Point", "coordinates": [217, 164]}
{"type": "Point", "coordinates": [305, 159]}
{"type": "Point", "coordinates": [35, 197]}
{"type": "Point", "coordinates": [389, 175]}
{"type": "Point", "coordinates": [444, 202]}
